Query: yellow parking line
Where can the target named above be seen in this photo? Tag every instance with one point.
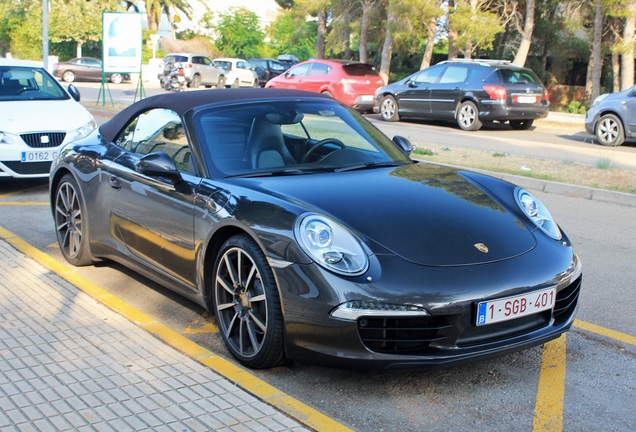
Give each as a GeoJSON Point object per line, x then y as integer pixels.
{"type": "Point", "coordinates": [593, 328]}
{"type": "Point", "coordinates": [250, 383]}
{"type": "Point", "coordinates": [548, 410]}
{"type": "Point", "coordinates": [24, 203]}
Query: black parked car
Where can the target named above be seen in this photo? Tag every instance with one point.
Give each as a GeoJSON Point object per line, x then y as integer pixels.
{"type": "Point", "coordinates": [470, 92]}
{"type": "Point", "coordinates": [311, 235]}
{"type": "Point", "coordinates": [266, 69]}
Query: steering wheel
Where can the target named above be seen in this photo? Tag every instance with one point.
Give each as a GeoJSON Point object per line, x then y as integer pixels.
{"type": "Point", "coordinates": [319, 144]}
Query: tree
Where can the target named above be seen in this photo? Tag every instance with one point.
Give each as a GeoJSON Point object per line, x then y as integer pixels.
{"type": "Point", "coordinates": [292, 34]}
{"type": "Point", "coordinates": [476, 28]}
{"type": "Point", "coordinates": [526, 34]}
{"type": "Point", "coordinates": [319, 9]}
{"type": "Point", "coordinates": [627, 51]}
{"type": "Point", "coordinates": [240, 34]}
{"type": "Point", "coordinates": [76, 21]}
{"type": "Point", "coordinates": [155, 8]}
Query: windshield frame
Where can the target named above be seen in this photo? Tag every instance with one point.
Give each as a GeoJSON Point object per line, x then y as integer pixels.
{"type": "Point", "coordinates": [25, 83]}
{"type": "Point", "coordinates": [225, 135]}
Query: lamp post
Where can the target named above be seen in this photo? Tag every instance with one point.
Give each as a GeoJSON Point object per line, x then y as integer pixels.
{"type": "Point", "coordinates": [155, 39]}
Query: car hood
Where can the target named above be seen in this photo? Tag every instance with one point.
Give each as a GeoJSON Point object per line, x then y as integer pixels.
{"type": "Point", "coordinates": [426, 214]}
{"type": "Point", "coordinates": [32, 116]}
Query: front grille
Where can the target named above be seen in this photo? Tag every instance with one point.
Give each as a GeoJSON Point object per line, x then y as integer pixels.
{"type": "Point", "coordinates": [28, 168]}
{"type": "Point", "coordinates": [566, 301]}
{"type": "Point", "coordinates": [51, 139]}
{"type": "Point", "coordinates": [404, 335]}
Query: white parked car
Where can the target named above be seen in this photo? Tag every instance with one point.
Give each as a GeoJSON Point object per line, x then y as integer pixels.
{"type": "Point", "coordinates": [238, 72]}
{"type": "Point", "coordinates": [38, 116]}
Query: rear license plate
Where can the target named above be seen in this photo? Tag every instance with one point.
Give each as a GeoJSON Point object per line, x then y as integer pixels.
{"type": "Point", "coordinates": [490, 312]}
{"type": "Point", "coordinates": [525, 99]}
{"type": "Point", "coordinates": [38, 156]}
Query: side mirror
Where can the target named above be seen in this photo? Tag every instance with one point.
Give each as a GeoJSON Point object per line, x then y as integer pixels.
{"type": "Point", "coordinates": [403, 144]}
{"type": "Point", "coordinates": [159, 165]}
{"type": "Point", "coordinates": [74, 92]}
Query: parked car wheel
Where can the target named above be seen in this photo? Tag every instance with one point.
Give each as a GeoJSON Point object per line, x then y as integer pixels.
{"type": "Point", "coordinates": [468, 116]}
{"type": "Point", "coordinates": [609, 130]}
{"type": "Point", "coordinates": [116, 78]}
{"type": "Point", "coordinates": [521, 124]}
{"type": "Point", "coordinates": [196, 81]}
{"type": "Point", "coordinates": [389, 109]}
{"type": "Point", "coordinates": [221, 82]}
{"type": "Point", "coordinates": [246, 304]}
{"type": "Point", "coordinates": [235, 84]}
{"type": "Point", "coordinates": [70, 223]}
{"type": "Point", "coordinates": [68, 76]}
{"type": "Point", "coordinates": [255, 84]}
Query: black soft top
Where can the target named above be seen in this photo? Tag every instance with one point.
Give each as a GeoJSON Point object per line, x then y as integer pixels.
{"type": "Point", "coordinates": [182, 102]}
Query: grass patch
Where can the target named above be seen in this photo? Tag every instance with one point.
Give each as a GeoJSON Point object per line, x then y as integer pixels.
{"type": "Point", "coordinates": [424, 152]}
{"type": "Point", "coordinates": [603, 163]}
{"type": "Point", "coordinates": [499, 155]}
{"type": "Point", "coordinates": [602, 176]}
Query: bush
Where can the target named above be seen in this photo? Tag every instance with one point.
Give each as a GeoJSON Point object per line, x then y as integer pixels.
{"type": "Point", "coordinates": [575, 107]}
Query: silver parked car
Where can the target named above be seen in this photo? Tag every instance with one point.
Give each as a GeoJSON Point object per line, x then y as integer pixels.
{"type": "Point", "coordinates": [612, 117]}
{"type": "Point", "coordinates": [199, 70]}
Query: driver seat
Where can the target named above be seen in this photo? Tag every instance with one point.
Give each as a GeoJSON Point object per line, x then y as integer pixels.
{"type": "Point", "coordinates": [266, 145]}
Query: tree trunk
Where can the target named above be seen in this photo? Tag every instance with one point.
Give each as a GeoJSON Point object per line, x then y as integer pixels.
{"type": "Point", "coordinates": [322, 35]}
{"type": "Point", "coordinates": [430, 43]}
{"type": "Point", "coordinates": [597, 50]}
{"type": "Point", "coordinates": [627, 58]}
{"type": "Point", "coordinates": [387, 48]}
{"type": "Point", "coordinates": [526, 35]}
{"type": "Point", "coordinates": [616, 71]}
{"type": "Point", "coordinates": [79, 49]}
{"type": "Point", "coordinates": [452, 33]}
{"type": "Point", "coordinates": [588, 81]}
{"type": "Point", "coordinates": [364, 32]}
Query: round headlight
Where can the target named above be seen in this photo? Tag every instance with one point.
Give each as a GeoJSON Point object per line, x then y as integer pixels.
{"type": "Point", "coordinates": [537, 213]}
{"type": "Point", "coordinates": [330, 245]}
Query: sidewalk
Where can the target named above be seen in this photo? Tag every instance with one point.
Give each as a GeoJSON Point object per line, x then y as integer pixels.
{"type": "Point", "coordinates": [69, 363]}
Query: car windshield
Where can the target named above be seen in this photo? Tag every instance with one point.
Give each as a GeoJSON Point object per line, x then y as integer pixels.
{"type": "Point", "coordinates": [28, 83]}
{"type": "Point", "coordinates": [291, 138]}
{"type": "Point", "coordinates": [522, 76]}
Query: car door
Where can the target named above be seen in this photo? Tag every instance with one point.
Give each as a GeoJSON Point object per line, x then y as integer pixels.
{"type": "Point", "coordinates": [245, 73]}
{"type": "Point", "coordinates": [414, 97]}
{"type": "Point", "coordinates": [317, 78]}
{"type": "Point", "coordinates": [209, 73]}
{"type": "Point", "coordinates": [151, 214]}
{"type": "Point", "coordinates": [447, 91]}
{"type": "Point", "coordinates": [630, 105]}
{"type": "Point", "coordinates": [294, 77]}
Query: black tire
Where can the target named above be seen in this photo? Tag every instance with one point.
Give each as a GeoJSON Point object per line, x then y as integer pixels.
{"type": "Point", "coordinates": [521, 124]}
{"type": "Point", "coordinates": [246, 304]}
{"type": "Point", "coordinates": [196, 81]}
{"type": "Point", "coordinates": [70, 222]}
{"type": "Point", "coordinates": [116, 78]}
{"type": "Point", "coordinates": [609, 130]}
{"type": "Point", "coordinates": [389, 109]}
{"type": "Point", "coordinates": [220, 82]}
{"type": "Point", "coordinates": [468, 116]}
{"type": "Point", "coordinates": [68, 76]}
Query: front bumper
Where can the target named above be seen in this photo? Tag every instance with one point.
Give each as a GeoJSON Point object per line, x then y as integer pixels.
{"type": "Point", "coordinates": [448, 336]}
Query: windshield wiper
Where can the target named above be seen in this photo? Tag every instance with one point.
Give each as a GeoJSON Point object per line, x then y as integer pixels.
{"type": "Point", "coordinates": [368, 165]}
{"type": "Point", "coordinates": [281, 172]}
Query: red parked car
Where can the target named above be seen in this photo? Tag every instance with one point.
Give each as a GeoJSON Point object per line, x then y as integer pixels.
{"type": "Point", "coordinates": [352, 83]}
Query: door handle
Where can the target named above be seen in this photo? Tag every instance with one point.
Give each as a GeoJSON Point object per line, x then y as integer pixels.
{"type": "Point", "coordinates": [114, 182]}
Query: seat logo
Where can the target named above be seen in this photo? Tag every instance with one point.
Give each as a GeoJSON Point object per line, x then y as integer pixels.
{"type": "Point", "coordinates": [481, 247]}
{"type": "Point", "coordinates": [44, 139]}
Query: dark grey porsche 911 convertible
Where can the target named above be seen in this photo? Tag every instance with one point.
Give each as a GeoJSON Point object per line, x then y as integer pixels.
{"type": "Point", "coordinates": [311, 235]}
